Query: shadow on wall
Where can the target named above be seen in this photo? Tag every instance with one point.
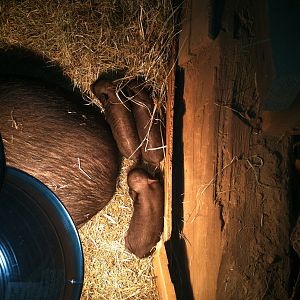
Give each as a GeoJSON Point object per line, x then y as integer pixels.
{"type": "Point", "coordinates": [21, 62]}
{"type": "Point", "coordinates": [176, 247]}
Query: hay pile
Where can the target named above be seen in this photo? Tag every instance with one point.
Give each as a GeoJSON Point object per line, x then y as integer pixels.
{"type": "Point", "coordinates": [87, 39]}
{"type": "Point", "coordinates": [91, 37]}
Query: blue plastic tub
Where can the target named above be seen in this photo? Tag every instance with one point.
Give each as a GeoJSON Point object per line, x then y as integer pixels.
{"type": "Point", "coordinates": [40, 250]}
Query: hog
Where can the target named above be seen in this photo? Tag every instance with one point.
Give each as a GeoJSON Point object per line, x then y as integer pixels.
{"type": "Point", "coordinates": [67, 145]}
{"type": "Point", "coordinates": [61, 141]}
{"type": "Point", "coordinates": [146, 224]}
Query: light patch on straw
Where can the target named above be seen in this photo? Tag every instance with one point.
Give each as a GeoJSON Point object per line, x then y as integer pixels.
{"type": "Point", "coordinates": [110, 218]}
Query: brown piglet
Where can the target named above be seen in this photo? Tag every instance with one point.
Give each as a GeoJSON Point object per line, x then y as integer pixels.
{"type": "Point", "coordinates": [118, 114]}
{"type": "Point", "coordinates": [148, 126]}
{"type": "Point", "coordinates": [146, 224]}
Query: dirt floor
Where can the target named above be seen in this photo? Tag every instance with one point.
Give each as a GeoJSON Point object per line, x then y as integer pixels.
{"type": "Point", "coordinates": [238, 202]}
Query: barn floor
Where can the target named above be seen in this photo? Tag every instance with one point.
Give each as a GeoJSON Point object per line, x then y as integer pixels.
{"type": "Point", "coordinates": [232, 182]}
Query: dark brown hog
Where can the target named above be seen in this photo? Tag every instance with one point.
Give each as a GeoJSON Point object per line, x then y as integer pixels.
{"type": "Point", "coordinates": [147, 125]}
{"type": "Point", "coordinates": [61, 141]}
{"type": "Point", "coordinates": [120, 118]}
{"type": "Point", "coordinates": [146, 224]}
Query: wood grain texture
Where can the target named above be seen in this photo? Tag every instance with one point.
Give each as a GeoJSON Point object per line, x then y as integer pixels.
{"type": "Point", "coordinates": [202, 226]}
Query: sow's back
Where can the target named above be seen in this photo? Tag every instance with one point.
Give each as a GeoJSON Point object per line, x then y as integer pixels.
{"type": "Point", "coordinates": [60, 140]}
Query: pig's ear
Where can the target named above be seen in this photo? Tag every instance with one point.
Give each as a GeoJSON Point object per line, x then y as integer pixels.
{"type": "Point", "coordinates": [133, 194]}
{"type": "Point", "coordinates": [150, 181]}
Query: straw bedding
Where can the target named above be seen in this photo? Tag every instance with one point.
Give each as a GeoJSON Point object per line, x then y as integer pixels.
{"type": "Point", "coordinates": [88, 39]}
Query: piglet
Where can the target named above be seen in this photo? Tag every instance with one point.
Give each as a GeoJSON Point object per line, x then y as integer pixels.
{"type": "Point", "coordinates": [146, 224]}
{"type": "Point", "coordinates": [119, 116]}
{"type": "Point", "coordinates": [148, 127]}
